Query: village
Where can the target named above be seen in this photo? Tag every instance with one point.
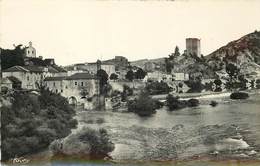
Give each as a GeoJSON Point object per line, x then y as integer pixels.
{"type": "Point", "coordinates": [97, 85]}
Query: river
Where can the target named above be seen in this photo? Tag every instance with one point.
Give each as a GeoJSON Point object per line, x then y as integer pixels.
{"type": "Point", "coordinates": [231, 130]}
{"type": "Point", "coordinates": [228, 134]}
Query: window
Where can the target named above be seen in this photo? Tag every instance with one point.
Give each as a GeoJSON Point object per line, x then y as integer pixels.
{"type": "Point", "coordinates": [76, 83]}
{"type": "Point", "coordinates": [61, 91]}
{"type": "Point", "coordinates": [56, 91]}
{"type": "Point", "coordinates": [28, 78]}
{"type": "Point", "coordinates": [32, 52]}
{"type": "Point", "coordinates": [28, 52]}
{"type": "Point", "coordinates": [53, 83]}
{"type": "Point", "coordinates": [82, 83]}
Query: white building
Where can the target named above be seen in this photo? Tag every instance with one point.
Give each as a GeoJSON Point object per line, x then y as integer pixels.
{"type": "Point", "coordinates": [180, 76]}
{"type": "Point", "coordinates": [30, 51]}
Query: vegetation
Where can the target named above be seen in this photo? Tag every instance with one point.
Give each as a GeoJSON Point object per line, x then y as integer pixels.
{"type": "Point", "coordinates": [218, 84]}
{"type": "Point", "coordinates": [258, 83]}
{"type": "Point", "coordinates": [174, 102]}
{"type": "Point", "coordinates": [130, 75]}
{"type": "Point", "coordinates": [85, 143]}
{"type": "Point", "coordinates": [239, 95]}
{"type": "Point", "coordinates": [33, 121]}
{"type": "Point", "coordinates": [113, 76]}
{"type": "Point", "coordinates": [195, 86]}
{"type": "Point", "coordinates": [193, 102]}
{"type": "Point", "coordinates": [103, 77]}
{"type": "Point", "coordinates": [156, 88]}
{"type": "Point", "coordinates": [144, 105]}
{"type": "Point", "coordinates": [213, 103]}
{"type": "Point", "coordinates": [127, 91]}
{"type": "Point", "coordinates": [13, 57]}
{"type": "Point", "coordinates": [140, 74]}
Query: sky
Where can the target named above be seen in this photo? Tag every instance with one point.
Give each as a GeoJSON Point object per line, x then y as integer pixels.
{"type": "Point", "coordinates": [76, 31]}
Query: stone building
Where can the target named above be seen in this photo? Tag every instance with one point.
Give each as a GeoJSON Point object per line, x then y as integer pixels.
{"type": "Point", "coordinates": [75, 87]}
{"type": "Point", "coordinates": [30, 76]}
{"type": "Point", "coordinates": [92, 68]}
{"type": "Point", "coordinates": [30, 51]}
{"type": "Point", "coordinates": [193, 46]}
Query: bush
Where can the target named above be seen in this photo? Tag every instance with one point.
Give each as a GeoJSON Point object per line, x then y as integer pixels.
{"type": "Point", "coordinates": [156, 88]}
{"type": "Point", "coordinates": [193, 102]}
{"type": "Point", "coordinates": [174, 103]}
{"type": "Point", "coordinates": [144, 105]}
{"type": "Point", "coordinates": [33, 122]}
{"type": "Point", "coordinates": [213, 103]}
{"type": "Point", "coordinates": [85, 143]}
{"type": "Point", "coordinates": [239, 95]}
{"type": "Point", "coordinates": [194, 85]}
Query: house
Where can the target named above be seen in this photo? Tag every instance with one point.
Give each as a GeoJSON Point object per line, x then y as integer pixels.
{"type": "Point", "coordinates": [180, 76]}
{"type": "Point", "coordinates": [32, 76]}
{"type": "Point", "coordinates": [92, 68]}
{"type": "Point", "coordinates": [157, 76]}
{"type": "Point", "coordinates": [74, 87]}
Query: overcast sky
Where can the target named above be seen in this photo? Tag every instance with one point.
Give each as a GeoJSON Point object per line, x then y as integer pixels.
{"type": "Point", "coordinates": [74, 31]}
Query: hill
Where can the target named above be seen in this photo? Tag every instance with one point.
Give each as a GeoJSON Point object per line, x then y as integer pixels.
{"type": "Point", "coordinates": [244, 52]}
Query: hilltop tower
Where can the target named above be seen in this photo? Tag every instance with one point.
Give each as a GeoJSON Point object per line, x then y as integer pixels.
{"type": "Point", "coordinates": [193, 46]}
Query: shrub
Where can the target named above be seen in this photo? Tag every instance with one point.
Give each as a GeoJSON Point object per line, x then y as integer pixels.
{"type": "Point", "coordinates": [144, 105]}
{"type": "Point", "coordinates": [239, 95]}
{"type": "Point", "coordinates": [32, 122]}
{"type": "Point", "coordinates": [87, 142]}
{"type": "Point", "coordinates": [193, 102]}
{"type": "Point", "coordinates": [213, 103]}
{"type": "Point", "coordinates": [156, 88]}
{"type": "Point", "coordinates": [194, 85]}
{"type": "Point", "coordinates": [174, 103]}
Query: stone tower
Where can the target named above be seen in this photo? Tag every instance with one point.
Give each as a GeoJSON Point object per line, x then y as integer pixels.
{"type": "Point", "coordinates": [193, 46]}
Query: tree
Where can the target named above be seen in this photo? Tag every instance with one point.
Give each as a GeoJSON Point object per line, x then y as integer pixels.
{"type": "Point", "coordinates": [10, 58]}
{"type": "Point", "coordinates": [168, 65]}
{"type": "Point", "coordinates": [232, 70]}
{"type": "Point", "coordinates": [218, 84]}
{"type": "Point", "coordinates": [103, 77]}
{"type": "Point", "coordinates": [113, 76]}
{"type": "Point", "coordinates": [140, 74]}
{"type": "Point", "coordinates": [177, 51]}
{"type": "Point", "coordinates": [144, 105]}
{"type": "Point", "coordinates": [130, 75]}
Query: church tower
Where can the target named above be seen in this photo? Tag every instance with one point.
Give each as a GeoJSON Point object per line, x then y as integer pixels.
{"type": "Point", "coordinates": [30, 51]}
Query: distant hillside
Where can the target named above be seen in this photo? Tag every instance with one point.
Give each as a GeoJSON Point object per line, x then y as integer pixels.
{"type": "Point", "coordinates": [140, 63]}
{"type": "Point", "coordinates": [244, 52]}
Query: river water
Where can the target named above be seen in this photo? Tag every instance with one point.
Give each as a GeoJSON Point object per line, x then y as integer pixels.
{"type": "Point", "coordinates": [231, 130]}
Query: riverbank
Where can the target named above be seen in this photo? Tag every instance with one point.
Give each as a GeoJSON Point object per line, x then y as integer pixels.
{"type": "Point", "coordinates": [203, 95]}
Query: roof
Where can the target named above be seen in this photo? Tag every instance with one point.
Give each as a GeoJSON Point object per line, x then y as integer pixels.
{"type": "Point", "coordinates": [35, 69]}
{"type": "Point", "coordinates": [77, 76]}
{"type": "Point", "coordinates": [16, 68]}
{"type": "Point", "coordinates": [54, 78]}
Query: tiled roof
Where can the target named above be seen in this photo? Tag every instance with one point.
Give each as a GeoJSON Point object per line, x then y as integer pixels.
{"type": "Point", "coordinates": [78, 76]}
{"type": "Point", "coordinates": [16, 68]}
{"type": "Point", "coordinates": [36, 69]}
{"type": "Point", "coordinates": [54, 78]}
